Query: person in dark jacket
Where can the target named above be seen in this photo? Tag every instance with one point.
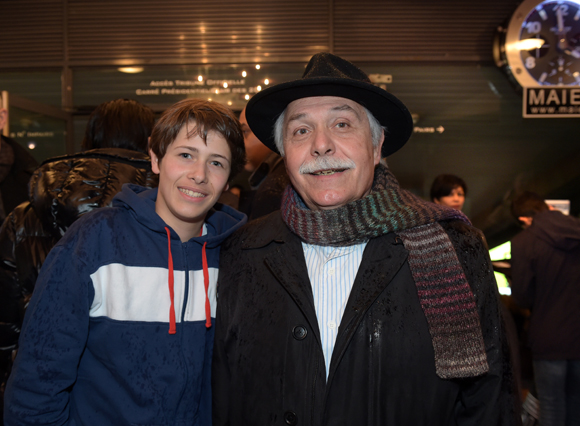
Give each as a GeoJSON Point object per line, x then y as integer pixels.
{"type": "Point", "coordinates": [358, 303]}
{"type": "Point", "coordinates": [61, 190]}
{"type": "Point", "coordinates": [16, 168]}
{"type": "Point", "coordinates": [545, 269]}
{"type": "Point", "coordinates": [257, 191]}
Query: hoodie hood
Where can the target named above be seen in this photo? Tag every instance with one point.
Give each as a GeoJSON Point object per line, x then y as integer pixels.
{"type": "Point", "coordinates": [221, 221]}
{"type": "Point", "coordinates": [556, 229]}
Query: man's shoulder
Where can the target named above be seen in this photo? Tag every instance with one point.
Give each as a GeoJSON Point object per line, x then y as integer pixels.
{"type": "Point", "coordinates": [258, 233]}
{"type": "Point", "coordinates": [521, 236]}
{"type": "Point", "coordinates": [459, 230]}
{"type": "Point", "coordinates": [523, 241]}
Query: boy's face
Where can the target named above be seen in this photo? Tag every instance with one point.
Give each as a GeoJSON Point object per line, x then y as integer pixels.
{"type": "Point", "coordinates": [192, 176]}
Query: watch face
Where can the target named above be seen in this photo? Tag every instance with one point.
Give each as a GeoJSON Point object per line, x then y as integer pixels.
{"type": "Point", "coordinates": [542, 43]}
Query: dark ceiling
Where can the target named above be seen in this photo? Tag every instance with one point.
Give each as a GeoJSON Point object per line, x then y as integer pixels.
{"type": "Point", "coordinates": [439, 55]}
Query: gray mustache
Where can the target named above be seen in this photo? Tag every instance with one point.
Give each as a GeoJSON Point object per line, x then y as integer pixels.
{"type": "Point", "coordinates": [326, 163]}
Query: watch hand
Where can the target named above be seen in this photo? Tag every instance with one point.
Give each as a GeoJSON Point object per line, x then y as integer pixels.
{"type": "Point", "coordinates": [559, 14]}
{"type": "Point", "coordinates": [575, 53]}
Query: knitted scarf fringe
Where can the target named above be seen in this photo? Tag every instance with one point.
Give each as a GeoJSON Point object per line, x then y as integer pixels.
{"type": "Point", "coordinates": [444, 293]}
{"type": "Point", "coordinates": [447, 302]}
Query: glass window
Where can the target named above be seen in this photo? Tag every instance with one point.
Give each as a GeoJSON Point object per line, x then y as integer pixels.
{"type": "Point", "coordinates": [160, 87]}
{"type": "Point", "coordinates": [43, 87]}
{"type": "Point", "coordinates": [43, 136]}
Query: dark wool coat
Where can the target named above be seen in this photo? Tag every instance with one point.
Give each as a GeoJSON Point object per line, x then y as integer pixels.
{"type": "Point", "coordinates": [268, 361]}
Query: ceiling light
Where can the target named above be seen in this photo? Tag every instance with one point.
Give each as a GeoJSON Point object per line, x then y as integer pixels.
{"type": "Point", "coordinates": [130, 70]}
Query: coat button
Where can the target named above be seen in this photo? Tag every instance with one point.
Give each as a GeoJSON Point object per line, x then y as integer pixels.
{"type": "Point", "coordinates": [299, 332]}
{"type": "Point", "coordinates": [290, 418]}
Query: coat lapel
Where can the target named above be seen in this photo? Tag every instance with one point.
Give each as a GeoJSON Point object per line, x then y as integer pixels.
{"type": "Point", "coordinates": [285, 259]}
{"type": "Point", "coordinates": [382, 259]}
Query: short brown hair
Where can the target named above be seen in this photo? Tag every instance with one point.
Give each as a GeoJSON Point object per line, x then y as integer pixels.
{"type": "Point", "coordinates": [207, 116]}
{"type": "Point", "coordinates": [527, 204]}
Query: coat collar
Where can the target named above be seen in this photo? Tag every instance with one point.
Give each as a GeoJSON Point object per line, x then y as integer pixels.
{"type": "Point", "coordinates": [284, 257]}
{"type": "Point", "coordinates": [265, 230]}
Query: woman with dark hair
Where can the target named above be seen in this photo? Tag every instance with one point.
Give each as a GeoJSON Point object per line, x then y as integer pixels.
{"type": "Point", "coordinates": [449, 190]}
{"type": "Point", "coordinates": [60, 191]}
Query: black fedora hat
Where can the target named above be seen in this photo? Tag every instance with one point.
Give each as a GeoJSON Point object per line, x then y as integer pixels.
{"type": "Point", "coordinates": [329, 75]}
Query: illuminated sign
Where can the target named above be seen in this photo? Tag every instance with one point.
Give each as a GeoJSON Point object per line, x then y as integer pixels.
{"type": "Point", "coordinates": [551, 102]}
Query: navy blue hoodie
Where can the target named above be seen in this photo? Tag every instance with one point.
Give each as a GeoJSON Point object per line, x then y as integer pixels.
{"type": "Point", "coordinates": [119, 328]}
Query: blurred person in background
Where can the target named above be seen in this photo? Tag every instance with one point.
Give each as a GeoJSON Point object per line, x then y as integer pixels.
{"type": "Point", "coordinates": [258, 190]}
{"type": "Point", "coordinates": [16, 168]}
{"type": "Point", "coordinates": [449, 190]}
{"type": "Point", "coordinates": [545, 269]}
{"type": "Point", "coordinates": [114, 152]}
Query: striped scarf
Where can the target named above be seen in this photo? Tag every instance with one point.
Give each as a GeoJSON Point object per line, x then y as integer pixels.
{"type": "Point", "coordinates": [446, 298]}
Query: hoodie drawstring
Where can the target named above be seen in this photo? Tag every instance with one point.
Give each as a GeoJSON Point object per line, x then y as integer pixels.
{"type": "Point", "coordinates": [206, 285]}
{"type": "Point", "coordinates": [172, 327]}
{"type": "Point", "coordinates": [171, 292]}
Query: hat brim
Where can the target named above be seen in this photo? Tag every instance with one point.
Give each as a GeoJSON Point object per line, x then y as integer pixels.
{"type": "Point", "coordinates": [266, 106]}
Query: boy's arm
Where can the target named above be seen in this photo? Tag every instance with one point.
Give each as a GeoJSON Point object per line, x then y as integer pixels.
{"type": "Point", "coordinates": [53, 338]}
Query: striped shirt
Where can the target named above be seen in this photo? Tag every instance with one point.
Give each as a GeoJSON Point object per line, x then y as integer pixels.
{"type": "Point", "coordinates": [332, 271]}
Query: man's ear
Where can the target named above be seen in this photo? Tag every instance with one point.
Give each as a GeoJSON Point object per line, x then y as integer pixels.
{"type": "Point", "coordinates": [154, 162]}
{"type": "Point", "coordinates": [526, 220]}
{"type": "Point", "coordinates": [378, 149]}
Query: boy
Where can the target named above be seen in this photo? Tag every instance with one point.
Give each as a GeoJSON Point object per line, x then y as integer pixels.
{"type": "Point", "coordinates": [119, 328]}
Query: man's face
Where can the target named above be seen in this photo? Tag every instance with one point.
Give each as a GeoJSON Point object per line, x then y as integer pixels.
{"type": "Point", "coordinates": [192, 176]}
{"type": "Point", "coordinates": [256, 151]}
{"type": "Point", "coordinates": [329, 153]}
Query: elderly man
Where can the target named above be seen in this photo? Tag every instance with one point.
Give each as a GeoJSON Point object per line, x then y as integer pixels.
{"type": "Point", "coordinates": [358, 303]}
